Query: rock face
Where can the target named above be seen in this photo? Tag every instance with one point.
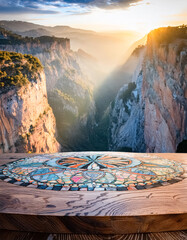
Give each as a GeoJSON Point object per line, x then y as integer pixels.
{"type": "Point", "coordinates": [69, 89]}
{"type": "Point", "coordinates": [152, 117]}
{"type": "Point", "coordinates": [164, 91]}
{"type": "Point", "coordinates": [27, 123]}
{"type": "Point", "coordinates": [51, 51]}
{"type": "Point", "coordinates": [127, 115]}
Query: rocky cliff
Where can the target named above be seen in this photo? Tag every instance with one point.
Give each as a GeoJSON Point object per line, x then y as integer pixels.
{"type": "Point", "coordinates": [165, 90]}
{"type": "Point", "coordinates": [69, 89]}
{"type": "Point", "coordinates": [27, 123]}
{"type": "Point", "coordinates": [151, 114]}
{"type": "Point", "coordinates": [51, 51]}
{"type": "Point", "coordinates": [126, 128]}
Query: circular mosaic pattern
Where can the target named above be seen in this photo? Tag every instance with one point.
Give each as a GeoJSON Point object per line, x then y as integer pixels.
{"type": "Point", "coordinates": [83, 171]}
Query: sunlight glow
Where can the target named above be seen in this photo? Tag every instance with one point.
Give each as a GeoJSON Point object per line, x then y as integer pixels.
{"type": "Point", "coordinates": [140, 17]}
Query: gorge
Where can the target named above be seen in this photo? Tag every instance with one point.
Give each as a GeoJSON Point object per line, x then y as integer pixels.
{"type": "Point", "coordinates": [140, 107]}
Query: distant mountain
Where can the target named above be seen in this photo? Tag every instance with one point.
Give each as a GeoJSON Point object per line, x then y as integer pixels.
{"type": "Point", "coordinates": [20, 26]}
{"type": "Point", "coordinates": [35, 33]}
{"type": "Point", "coordinates": [106, 47]}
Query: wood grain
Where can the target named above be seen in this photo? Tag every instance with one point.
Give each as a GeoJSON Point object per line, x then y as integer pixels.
{"type": "Point", "coordinates": [93, 225]}
{"type": "Point", "coordinates": [13, 235]}
{"type": "Point", "coordinates": [150, 210]}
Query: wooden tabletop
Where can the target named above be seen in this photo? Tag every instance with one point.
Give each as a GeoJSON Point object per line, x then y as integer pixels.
{"type": "Point", "coordinates": [100, 212]}
{"type": "Point", "coordinates": [15, 235]}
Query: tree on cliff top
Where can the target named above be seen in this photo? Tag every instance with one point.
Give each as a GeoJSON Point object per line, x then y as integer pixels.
{"type": "Point", "coordinates": [17, 69]}
{"type": "Point", "coordinates": [168, 35]}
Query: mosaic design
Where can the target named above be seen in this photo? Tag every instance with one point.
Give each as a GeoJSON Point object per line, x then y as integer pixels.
{"type": "Point", "coordinates": [83, 171]}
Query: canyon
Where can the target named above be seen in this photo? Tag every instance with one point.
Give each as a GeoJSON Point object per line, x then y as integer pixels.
{"type": "Point", "coordinates": [139, 107]}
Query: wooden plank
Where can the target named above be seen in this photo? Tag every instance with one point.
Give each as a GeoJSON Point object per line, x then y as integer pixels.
{"type": "Point", "coordinates": [162, 200]}
{"type": "Point", "coordinates": [13, 235]}
{"type": "Point", "coordinates": [151, 210]}
{"type": "Point", "coordinates": [94, 224]}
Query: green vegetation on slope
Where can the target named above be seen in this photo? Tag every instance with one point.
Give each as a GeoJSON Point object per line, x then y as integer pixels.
{"type": "Point", "coordinates": [138, 49]}
{"type": "Point", "coordinates": [65, 96]}
{"type": "Point", "coordinates": [125, 96]}
{"type": "Point", "coordinates": [16, 68]}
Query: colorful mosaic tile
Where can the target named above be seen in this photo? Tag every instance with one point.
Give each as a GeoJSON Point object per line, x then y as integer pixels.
{"type": "Point", "coordinates": [99, 172]}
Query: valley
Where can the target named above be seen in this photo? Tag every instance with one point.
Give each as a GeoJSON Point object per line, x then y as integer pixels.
{"type": "Point", "coordinates": [139, 106]}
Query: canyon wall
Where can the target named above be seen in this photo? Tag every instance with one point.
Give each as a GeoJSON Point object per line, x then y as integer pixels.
{"type": "Point", "coordinates": [69, 88]}
{"type": "Point", "coordinates": [27, 123]}
{"type": "Point", "coordinates": [165, 95]}
{"type": "Point", "coordinates": [126, 129]}
{"type": "Point", "coordinates": [151, 115]}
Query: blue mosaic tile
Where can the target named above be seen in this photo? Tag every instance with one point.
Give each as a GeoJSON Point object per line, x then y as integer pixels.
{"type": "Point", "coordinates": [57, 188]}
{"type": "Point", "coordinates": [42, 187]}
{"type": "Point", "coordinates": [74, 188]}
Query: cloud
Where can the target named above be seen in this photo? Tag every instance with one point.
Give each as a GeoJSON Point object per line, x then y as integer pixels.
{"type": "Point", "coordinates": [16, 10]}
{"type": "Point", "coordinates": [107, 4]}
{"type": "Point", "coordinates": [54, 6]}
{"type": "Point", "coordinates": [24, 6]}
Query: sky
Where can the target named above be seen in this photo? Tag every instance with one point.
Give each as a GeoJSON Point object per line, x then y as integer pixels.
{"type": "Point", "coordinates": [99, 15]}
